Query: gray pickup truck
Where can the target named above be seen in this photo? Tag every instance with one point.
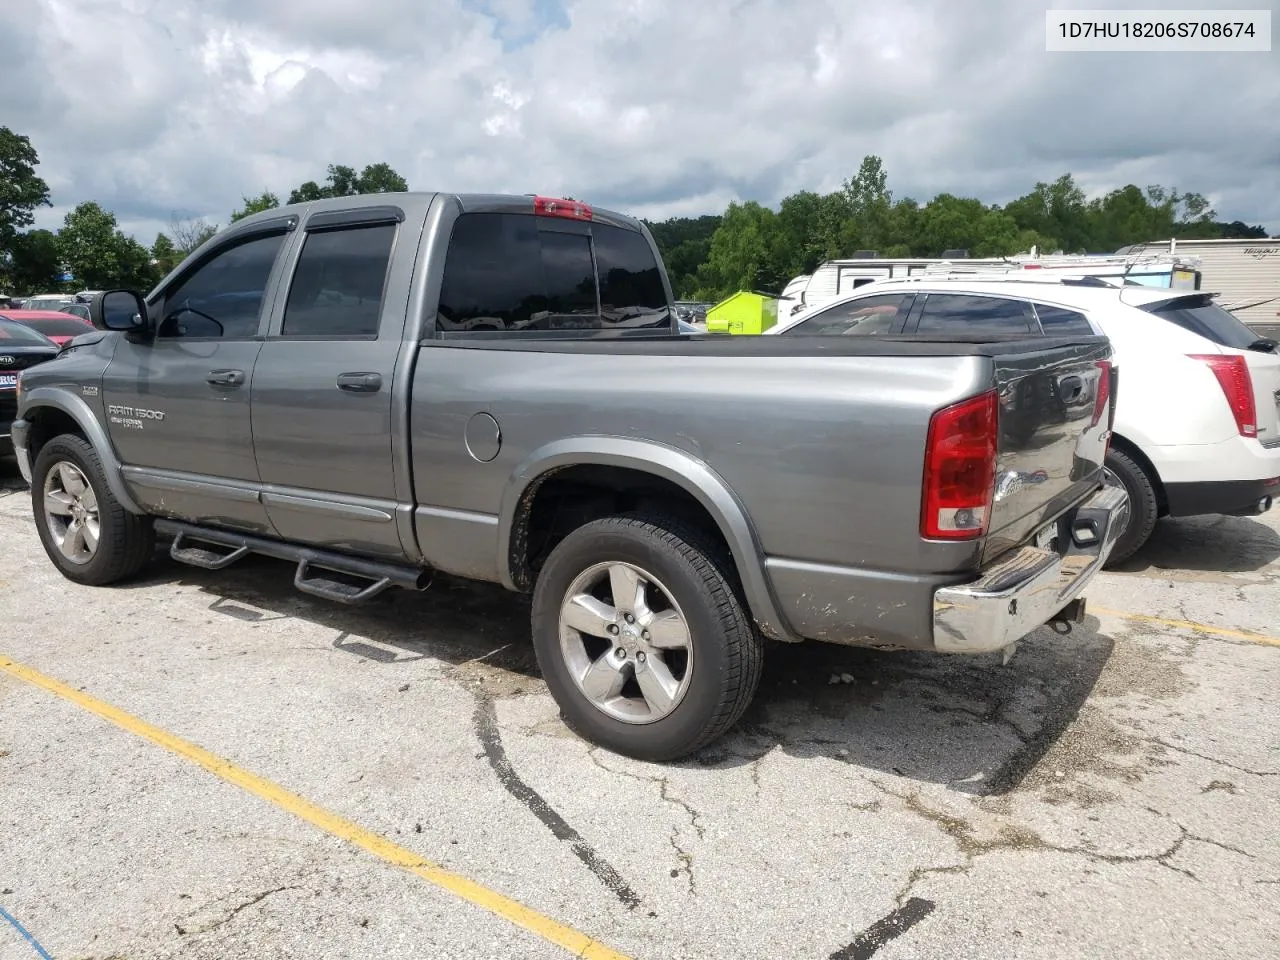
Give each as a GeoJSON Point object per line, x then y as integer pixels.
{"type": "Point", "coordinates": [376, 388]}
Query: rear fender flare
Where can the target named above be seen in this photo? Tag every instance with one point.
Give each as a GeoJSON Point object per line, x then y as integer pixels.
{"type": "Point", "coordinates": [668, 463]}
{"type": "Point", "coordinates": [79, 411]}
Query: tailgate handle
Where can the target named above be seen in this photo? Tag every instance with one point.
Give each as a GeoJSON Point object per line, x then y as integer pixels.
{"type": "Point", "coordinates": [1071, 388]}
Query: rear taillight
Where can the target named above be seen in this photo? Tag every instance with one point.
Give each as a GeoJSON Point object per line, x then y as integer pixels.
{"type": "Point", "coordinates": [960, 470]}
{"type": "Point", "coordinates": [1103, 396]}
{"type": "Point", "coordinates": [555, 207]}
{"type": "Point", "coordinates": [1233, 376]}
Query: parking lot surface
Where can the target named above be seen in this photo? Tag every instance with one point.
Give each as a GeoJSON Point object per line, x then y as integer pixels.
{"type": "Point", "coordinates": [211, 765]}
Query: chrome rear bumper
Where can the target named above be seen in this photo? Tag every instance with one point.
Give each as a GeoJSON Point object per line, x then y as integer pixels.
{"type": "Point", "coordinates": [1031, 585]}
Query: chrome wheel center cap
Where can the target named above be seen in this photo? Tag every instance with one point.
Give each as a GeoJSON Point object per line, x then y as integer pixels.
{"type": "Point", "coordinates": [629, 634]}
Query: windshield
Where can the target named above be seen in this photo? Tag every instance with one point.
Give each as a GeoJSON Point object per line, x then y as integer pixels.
{"type": "Point", "coordinates": [1202, 316]}
{"type": "Point", "coordinates": [11, 332]}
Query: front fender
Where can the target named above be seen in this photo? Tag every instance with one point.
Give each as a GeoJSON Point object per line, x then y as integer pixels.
{"type": "Point", "coordinates": [668, 463]}
{"type": "Point", "coordinates": [57, 398]}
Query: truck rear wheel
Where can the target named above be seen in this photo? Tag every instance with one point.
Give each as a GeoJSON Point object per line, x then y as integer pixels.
{"type": "Point", "coordinates": [87, 534]}
{"type": "Point", "coordinates": [642, 638]}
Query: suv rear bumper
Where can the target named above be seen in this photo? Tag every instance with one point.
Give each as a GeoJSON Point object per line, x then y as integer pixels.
{"type": "Point", "coordinates": [1032, 585]}
{"type": "Point", "coordinates": [1241, 498]}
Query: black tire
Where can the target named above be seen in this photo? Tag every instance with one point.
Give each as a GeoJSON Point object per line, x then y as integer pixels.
{"type": "Point", "coordinates": [727, 651]}
{"type": "Point", "coordinates": [126, 542]}
{"type": "Point", "coordinates": [1144, 508]}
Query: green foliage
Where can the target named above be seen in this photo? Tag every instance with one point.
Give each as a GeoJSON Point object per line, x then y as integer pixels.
{"type": "Point", "coordinates": [259, 204]}
{"type": "Point", "coordinates": [685, 244]}
{"type": "Point", "coordinates": [98, 254]}
{"type": "Point", "coordinates": [35, 264]}
{"type": "Point", "coordinates": [752, 247]}
{"type": "Point", "coordinates": [345, 182]}
{"type": "Point", "coordinates": [164, 255]}
{"type": "Point", "coordinates": [21, 191]}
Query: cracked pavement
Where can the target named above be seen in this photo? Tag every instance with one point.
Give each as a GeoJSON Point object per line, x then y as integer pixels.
{"type": "Point", "coordinates": [1111, 792]}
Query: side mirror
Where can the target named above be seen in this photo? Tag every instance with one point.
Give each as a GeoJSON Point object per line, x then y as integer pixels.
{"type": "Point", "coordinates": [119, 310]}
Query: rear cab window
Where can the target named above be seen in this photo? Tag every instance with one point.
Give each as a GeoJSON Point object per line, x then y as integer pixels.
{"type": "Point", "coordinates": [514, 272]}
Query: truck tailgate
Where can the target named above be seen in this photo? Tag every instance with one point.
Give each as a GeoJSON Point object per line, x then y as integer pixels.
{"type": "Point", "coordinates": [1054, 424]}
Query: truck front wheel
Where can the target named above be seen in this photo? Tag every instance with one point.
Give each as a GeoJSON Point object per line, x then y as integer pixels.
{"type": "Point", "coordinates": [642, 639]}
{"type": "Point", "coordinates": [87, 534]}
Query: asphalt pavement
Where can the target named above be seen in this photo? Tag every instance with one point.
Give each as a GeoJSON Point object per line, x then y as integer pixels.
{"type": "Point", "coordinates": [212, 765]}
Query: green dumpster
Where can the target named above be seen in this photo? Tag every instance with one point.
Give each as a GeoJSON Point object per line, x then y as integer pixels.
{"type": "Point", "coordinates": [744, 312]}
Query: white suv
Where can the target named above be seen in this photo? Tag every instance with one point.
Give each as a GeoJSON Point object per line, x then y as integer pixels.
{"type": "Point", "coordinates": [1197, 424]}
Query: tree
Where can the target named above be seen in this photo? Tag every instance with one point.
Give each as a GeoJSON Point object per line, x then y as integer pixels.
{"type": "Point", "coordinates": [745, 253]}
{"type": "Point", "coordinates": [164, 255]}
{"type": "Point", "coordinates": [868, 203]}
{"type": "Point", "coordinates": [1057, 212]}
{"type": "Point", "coordinates": [343, 181]}
{"type": "Point", "coordinates": [264, 201]}
{"type": "Point", "coordinates": [188, 234]}
{"type": "Point", "coordinates": [21, 191]}
{"type": "Point", "coordinates": [685, 244]}
{"type": "Point", "coordinates": [35, 261]}
{"type": "Point", "coordinates": [98, 254]}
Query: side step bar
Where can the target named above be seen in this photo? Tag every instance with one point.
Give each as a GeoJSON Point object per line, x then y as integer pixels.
{"type": "Point", "coordinates": [193, 545]}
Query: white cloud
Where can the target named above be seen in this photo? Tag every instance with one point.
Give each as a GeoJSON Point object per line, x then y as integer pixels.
{"type": "Point", "coordinates": [656, 107]}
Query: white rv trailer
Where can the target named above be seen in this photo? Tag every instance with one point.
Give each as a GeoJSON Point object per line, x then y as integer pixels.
{"type": "Point", "coordinates": [1244, 274]}
{"type": "Point", "coordinates": [837, 278]}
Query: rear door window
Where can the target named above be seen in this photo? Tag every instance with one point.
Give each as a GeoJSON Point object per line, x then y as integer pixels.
{"type": "Point", "coordinates": [966, 315]}
{"type": "Point", "coordinates": [866, 317]}
{"type": "Point", "coordinates": [338, 283]}
{"type": "Point", "coordinates": [1202, 316]}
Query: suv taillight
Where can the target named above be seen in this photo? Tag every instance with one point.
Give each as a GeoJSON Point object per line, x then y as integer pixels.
{"type": "Point", "coordinates": [555, 207]}
{"type": "Point", "coordinates": [1103, 396]}
{"type": "Point", "coordinates": [1233, 376]}
{"type": "Point", "coordinates": [960, 469]}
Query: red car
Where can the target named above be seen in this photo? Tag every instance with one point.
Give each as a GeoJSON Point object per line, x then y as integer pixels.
{"type": "Point", "coordinates": [58, 327]}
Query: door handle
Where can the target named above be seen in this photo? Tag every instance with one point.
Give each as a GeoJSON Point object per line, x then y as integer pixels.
{"type": "Point", "coordinates": [225, 378]}
{"type": "Point", "coordinates": [360, 382]}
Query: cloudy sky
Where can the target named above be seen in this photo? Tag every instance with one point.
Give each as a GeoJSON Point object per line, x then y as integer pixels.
{"type": "Point", "coordinates": [157, 108]}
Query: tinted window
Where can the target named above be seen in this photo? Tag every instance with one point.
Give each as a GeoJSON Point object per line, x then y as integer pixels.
{"type": "Point", "coordinates": [223, 298]}
{"type": "Point", "coordinates": [502, 273]}
{"type": "Point", "coordinates": [338, 284]}
{"type": "Point", "coordinates": [946, 313]}
{"type": "Point", "coordinates": [868, 316]}
{"type": "Point", "coordinates": [78, 310]}
{"type": "Point", "coordinates": [17, 333]}
{"type": "Point", "coordinates": [631, 290]}
{"type": "Point", "coordinates": [569, 282]}
{"type": "Point", "coordinates": [1060, 322]}
{"type": "Point", "coordinates": [1202, 316]}
{"type": "Point", "coordinates": [60, 328]}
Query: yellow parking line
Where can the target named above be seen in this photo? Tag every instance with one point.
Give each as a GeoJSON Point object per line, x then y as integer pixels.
{"type": "Point", "coordinates": [1251, 637]}
{"type": "Point", "coordinates": [517, 913]}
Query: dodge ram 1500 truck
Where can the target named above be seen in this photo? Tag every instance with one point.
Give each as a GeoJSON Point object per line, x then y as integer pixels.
{"type": "Point", "coordinates": [495, 387]}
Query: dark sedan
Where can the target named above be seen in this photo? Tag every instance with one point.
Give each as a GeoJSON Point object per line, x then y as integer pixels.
{"type": "Point", "coordinates": [20, 347]}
